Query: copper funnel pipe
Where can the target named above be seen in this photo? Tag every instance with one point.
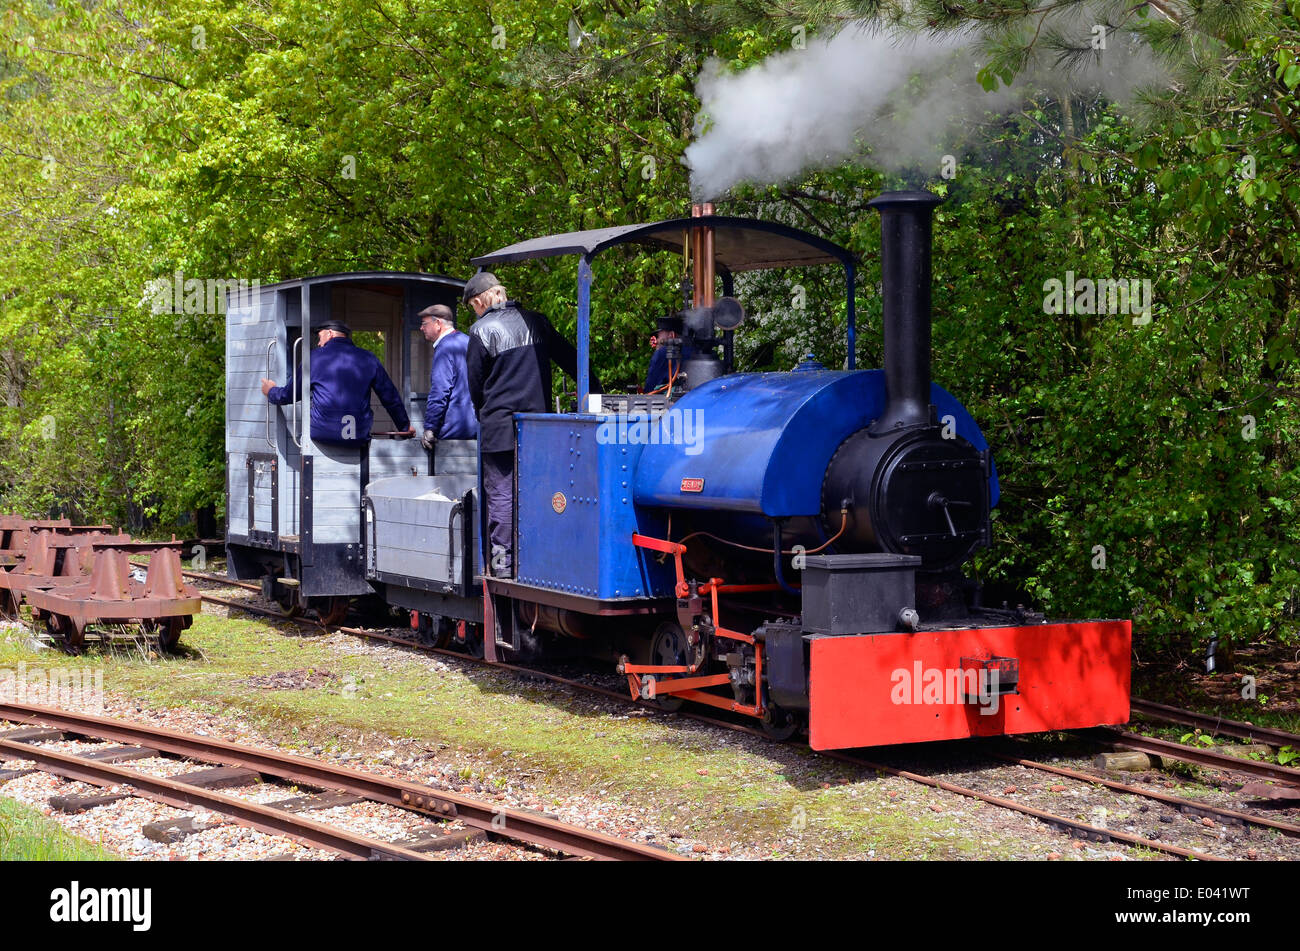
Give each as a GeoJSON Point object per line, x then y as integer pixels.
{"type": "Point", "coordinates": [706, 260]}
{"type": "Point", "coordinates": [702, 270]}
{"type": "Point", "coordinates": [697, 254]}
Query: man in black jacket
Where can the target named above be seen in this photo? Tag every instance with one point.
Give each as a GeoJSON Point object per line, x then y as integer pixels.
{"type": "Point", "coordinates": [509, 371]}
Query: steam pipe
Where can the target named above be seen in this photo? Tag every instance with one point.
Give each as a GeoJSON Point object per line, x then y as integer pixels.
{"type": "Point", "coordinates": [702, 267]}
{"type": "Point", "coordinates": [905, 228]}
{"type": "Point", "coordinates": [696, 254]}
{"type": "Point", "coordinates": [706, 259]}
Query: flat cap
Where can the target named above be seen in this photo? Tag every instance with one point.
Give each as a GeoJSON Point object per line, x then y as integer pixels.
{"type": "Point", "coordinates": [672, 322]}
{"type": "Point", "coordinates": [438, 312]}
{"type": "Point", "coordinates": [338, 325]}
{"type": "Point", "coordinates": [476, 285]}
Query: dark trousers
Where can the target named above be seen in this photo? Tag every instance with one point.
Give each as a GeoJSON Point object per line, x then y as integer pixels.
{"type": "Point", "coordinates": [499, 487]}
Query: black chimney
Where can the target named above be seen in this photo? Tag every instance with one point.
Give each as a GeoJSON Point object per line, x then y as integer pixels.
{"type": "Point", "coordinates": [905, 290]}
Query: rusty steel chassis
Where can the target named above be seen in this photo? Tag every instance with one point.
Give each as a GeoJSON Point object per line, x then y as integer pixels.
{"type": "Point", "coordinates": [91, 584]}
{"type": "Point", "coordinates": [1083, 829]}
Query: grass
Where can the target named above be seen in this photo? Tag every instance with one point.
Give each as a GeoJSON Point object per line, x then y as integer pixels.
{"type": "Point", "coordinates": [703, 784]}
{"type": "Point", "coordinates": [27, 836]}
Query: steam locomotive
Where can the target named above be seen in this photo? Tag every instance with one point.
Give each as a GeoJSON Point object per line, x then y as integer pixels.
{"type": "Point", "coordinates": [787, 546]}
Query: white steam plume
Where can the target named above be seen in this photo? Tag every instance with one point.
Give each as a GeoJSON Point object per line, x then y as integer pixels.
{"type": "Point", "coordinates": [905, 101]}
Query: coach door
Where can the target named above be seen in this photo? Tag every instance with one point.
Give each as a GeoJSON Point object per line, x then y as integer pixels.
{"type": "Point", "coordinates": [274, 472]}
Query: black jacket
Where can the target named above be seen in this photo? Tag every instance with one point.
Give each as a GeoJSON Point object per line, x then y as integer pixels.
{"type": "Point", "coordinates": [509, 370]}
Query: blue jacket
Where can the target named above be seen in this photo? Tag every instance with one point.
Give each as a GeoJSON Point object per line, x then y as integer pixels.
{"type": "Point", "coordinates": [342, 376]}
{"type": "Point", "coordinates": [657, 372]}
{"type": "Point", "coordinates": [449, 412]}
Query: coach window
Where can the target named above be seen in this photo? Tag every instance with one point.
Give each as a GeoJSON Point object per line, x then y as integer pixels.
{"type": "Point", "coordinates": [375, 315]}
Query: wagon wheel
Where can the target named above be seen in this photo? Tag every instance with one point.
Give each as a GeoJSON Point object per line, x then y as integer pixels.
{"type": "Point", "coordinates": [168, 630]}
{"type": "Point", "coordinates": [8, 605]}
{"type": "Point", "coordinates": [435, 630]}
{"type": "Point", "coordinates": [287, 598]}
{"type": "Point", "coordinates": [334, 611]}
{"type": "Point", "coordinates": [668, 648]}
{"type": "Point", "coordinates": [443, 633]}
{"type": "Point", "coordinates": [65, 632]}
{"type": "Point", "coordinates": [474, 640]}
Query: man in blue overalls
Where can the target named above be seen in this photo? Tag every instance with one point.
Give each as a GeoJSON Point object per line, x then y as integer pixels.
{"type": "Point", "coordinates": [342, 376]}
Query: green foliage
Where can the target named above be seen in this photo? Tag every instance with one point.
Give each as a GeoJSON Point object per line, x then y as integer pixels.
{"type": "Point", "coordinates": [231, 139]}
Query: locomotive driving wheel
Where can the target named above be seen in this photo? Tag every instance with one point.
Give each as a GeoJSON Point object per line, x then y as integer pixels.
{"type": "Point", "coordinates": [669, 648]}
{"type": "Point", "coordinates": [779, 724]}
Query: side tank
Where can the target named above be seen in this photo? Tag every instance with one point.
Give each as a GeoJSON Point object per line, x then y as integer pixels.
{"type": "Point", "coordinates": [746, 449]}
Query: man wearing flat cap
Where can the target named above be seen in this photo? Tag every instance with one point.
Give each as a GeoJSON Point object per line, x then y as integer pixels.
{"type": "Point", "coordinates": [509, 369]}
{"type": "Point", "coordinates": [342, 376]}
{"type": "Point", "coordinates": [660, 371]}
{"type": "Point", "coordinates": [448, 412]}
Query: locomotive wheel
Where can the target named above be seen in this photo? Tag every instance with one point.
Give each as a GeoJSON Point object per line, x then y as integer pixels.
{"type": "Point", "coordinates": [669, 648]}
{"type": "Point", "coordinates": [779, 724]}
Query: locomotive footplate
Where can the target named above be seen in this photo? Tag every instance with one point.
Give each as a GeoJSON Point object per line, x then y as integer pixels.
{"type": "Point", "coordinates": [576, 602]}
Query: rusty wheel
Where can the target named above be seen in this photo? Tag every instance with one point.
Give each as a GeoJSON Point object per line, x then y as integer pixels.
{"type": "Point", "coordinates": [287, 597]}
{"type": "Point", "coordinates": [65, 632]}
{"type": "Point", "coordinates": [8, 605]}
{"type": "Point", "coordinates": [436, 631]}
{"type": "Point", "coordinates": [334, 610]}
{"type": "Point", "coordinates": [168, 631]}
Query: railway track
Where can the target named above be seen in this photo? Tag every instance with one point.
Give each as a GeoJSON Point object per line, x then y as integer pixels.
{"type": "Point", "coordinates": [1075, 826]}
{"type": "Point", "coordinates": [1165, 749]}
{"type": "Point", "coordinates": [1206, 810]}
{"type": "Point", "coordinates": [1215, 725]}
{"type": "Point", "coordinates": [138, 740]}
